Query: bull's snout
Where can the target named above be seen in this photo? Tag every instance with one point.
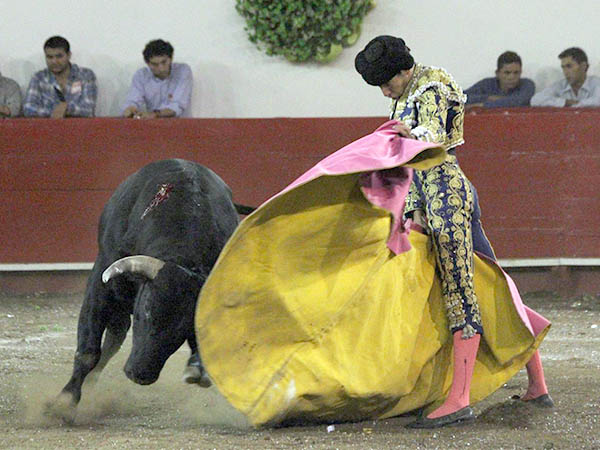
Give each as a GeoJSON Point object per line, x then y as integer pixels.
{"type": "Point", "coordinates": [140, 376]}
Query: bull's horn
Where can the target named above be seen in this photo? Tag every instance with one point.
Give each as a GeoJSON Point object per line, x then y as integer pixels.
{"type": "Point", "coordinates": [141, 264]}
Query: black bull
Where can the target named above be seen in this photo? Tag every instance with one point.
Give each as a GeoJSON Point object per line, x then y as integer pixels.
{"type": "Point", "coordinates": [175, 216]}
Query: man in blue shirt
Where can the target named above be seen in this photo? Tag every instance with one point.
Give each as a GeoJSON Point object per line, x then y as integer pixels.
{"type": "Point", "coordinates": [62, 89]}
{"type": "Point", "coordinates": [162, 89]}
{"type": "Point", "coordinates": [506, 89]}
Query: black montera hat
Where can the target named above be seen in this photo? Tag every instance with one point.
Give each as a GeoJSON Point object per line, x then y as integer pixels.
{"type": "Point", "coordinates": [382, 59]}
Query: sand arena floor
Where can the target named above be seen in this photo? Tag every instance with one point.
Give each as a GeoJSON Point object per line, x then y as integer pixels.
{"type": "Point", "coordinates": [38, 339]}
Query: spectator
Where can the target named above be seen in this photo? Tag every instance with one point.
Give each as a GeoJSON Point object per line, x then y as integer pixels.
{"type": "Point", "coordinates": [10, 97]}
{"type": "Point", "coordinates": [63, 89]}
{"type": "Point", "coordinates": [506, 89]}
{"type": "Point", "coordinates": [163, 88]}
{"type": "Point", "coordinates": [577, 89]}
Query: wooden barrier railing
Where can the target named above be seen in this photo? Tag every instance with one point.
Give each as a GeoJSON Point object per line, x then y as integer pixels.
{"type": "Point", "coordinates": [537, 172]}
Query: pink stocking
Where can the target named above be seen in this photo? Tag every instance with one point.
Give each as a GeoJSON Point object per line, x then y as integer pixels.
{"type": "Point", "coordinates": [465, 353]}
{"type": "Point", "coordinates": [537, 382]}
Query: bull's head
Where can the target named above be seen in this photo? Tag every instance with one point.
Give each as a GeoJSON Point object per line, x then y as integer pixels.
{"type": "Point", "coordinates": [163, 313]}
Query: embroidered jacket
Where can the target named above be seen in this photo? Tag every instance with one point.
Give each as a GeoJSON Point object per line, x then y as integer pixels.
{"type": "Point", "coordinates": [433, 106]}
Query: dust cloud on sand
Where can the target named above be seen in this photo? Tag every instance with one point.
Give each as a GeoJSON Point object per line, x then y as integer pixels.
{"type": "Point", "coordinates": [37, 344]}
{"type": "Point", "coordinates": [114, 396]}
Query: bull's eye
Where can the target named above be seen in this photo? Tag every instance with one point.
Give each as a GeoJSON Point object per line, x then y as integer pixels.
{"type": "Point", "coordinates": [155, 308]}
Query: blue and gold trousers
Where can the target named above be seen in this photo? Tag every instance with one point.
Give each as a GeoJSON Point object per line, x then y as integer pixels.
{"type": "Point", "coordinates": [449, 202]}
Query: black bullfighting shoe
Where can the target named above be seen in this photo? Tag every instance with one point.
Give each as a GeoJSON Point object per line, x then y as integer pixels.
{"type": "Point", "coordinates": [194, 372]}
{"type": "Point", "coordinates": [456, 418]}
{"type": "Point", "coordinates": [543, 401]}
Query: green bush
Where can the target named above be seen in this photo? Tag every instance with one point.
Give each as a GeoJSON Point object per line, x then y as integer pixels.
{"type": "Point", "coordinates": [302, 30]}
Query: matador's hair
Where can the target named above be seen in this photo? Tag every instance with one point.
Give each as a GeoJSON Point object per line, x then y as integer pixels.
{"type": "Point", "coordinates": [382, 59]}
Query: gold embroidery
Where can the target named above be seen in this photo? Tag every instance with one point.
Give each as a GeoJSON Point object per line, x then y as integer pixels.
{"type": "Point", "coordinates": [433, 106]}
{"type": "Point", "coordinates": [446, 197]}
{"type": "Point", "coordinates": [430, 98]}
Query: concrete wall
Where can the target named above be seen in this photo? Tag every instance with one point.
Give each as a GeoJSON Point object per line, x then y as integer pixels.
{"type": "Point", "coordinates": [233, 79]}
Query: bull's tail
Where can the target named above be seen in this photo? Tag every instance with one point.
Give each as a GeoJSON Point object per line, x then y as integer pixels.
{"type": "Point", "coordinates": [243, 209]}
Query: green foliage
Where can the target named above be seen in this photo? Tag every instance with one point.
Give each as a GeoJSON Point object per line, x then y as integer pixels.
{"type": "Point", "coordinates": [302, 30]}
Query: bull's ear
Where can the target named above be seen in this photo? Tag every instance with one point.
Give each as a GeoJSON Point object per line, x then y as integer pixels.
{"type": "Point", "coordinates": [139, 264]}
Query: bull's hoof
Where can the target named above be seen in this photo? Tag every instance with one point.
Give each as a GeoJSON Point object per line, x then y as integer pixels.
{"type": "Point", "coordinates": [62, 407]}
{"type": "Point", "coordinates": [194, 373]}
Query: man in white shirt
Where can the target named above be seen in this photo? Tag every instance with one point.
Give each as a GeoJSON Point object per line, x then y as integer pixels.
{"type": "Point", "coordinates": [163, 88]}
{"type": "Point", "coordinates": [577, 89]}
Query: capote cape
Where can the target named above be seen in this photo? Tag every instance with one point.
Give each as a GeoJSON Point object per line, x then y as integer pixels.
{"type": "Point", "coordinates": [324, 306]}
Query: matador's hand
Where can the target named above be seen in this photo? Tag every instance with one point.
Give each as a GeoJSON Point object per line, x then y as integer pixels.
{"type": "Point", "coordinates": [403, 130]}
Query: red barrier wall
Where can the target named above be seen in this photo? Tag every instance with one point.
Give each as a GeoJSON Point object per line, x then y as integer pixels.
{"type": "Point", "coordinates": [537, 173]}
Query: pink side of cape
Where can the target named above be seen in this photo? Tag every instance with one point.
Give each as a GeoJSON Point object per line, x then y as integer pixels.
{"type": "Point", "coordinates": [532, 320]}
{"type": "Point", "coordinates": [384, 149]}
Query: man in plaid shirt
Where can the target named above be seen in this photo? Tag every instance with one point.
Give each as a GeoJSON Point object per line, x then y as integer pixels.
{"type": "Point", "coordinates": [63, 89]}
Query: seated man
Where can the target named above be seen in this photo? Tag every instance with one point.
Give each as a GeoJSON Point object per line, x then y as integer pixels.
{"type": "Point", "coordinates": [163, 88]}
{"type": "Point", "coordinates": [576, 89]}
{"type": "Point", "coordinates": [506, 89]}
{"type": "Point", "coordinates": [63, 89]}
{"type": "Point", "coordinates": [10, 98]}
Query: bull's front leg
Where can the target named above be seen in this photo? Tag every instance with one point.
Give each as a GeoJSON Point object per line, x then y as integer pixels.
{"type": "Point", "coordinates": [93, 320]}
{"type": "Point", "coordinates": [116, 332]}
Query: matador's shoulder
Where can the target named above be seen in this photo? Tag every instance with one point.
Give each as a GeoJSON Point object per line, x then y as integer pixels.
{"type": "Point", "coordinates": [429, 77]}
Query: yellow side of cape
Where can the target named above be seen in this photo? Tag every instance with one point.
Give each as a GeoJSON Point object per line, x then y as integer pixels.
{"type": "Point", "coordinates": [308, 316]}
